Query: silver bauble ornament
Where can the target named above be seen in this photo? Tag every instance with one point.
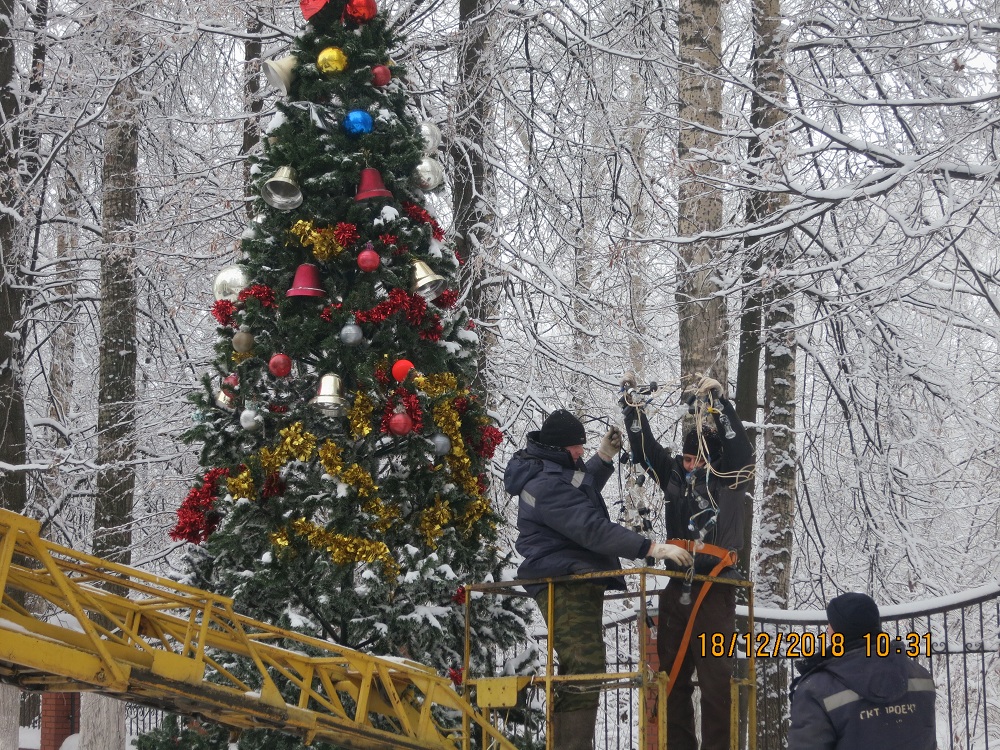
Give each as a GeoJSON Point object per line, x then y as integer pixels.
{"type": "Point", "coordinates": [243, 341]}
{"type": "Point", "coordinates": [250, 420]}
{"type": "Point", "coordinates": [432, 136]}
{"type": "Point", "coordinates": [351, 334]}
{"type": "Point", "coordinates": [442, 444]}
{"type": "Point", "coordinates": [429, 174]}
{"type": "Point", "coordinates": [229, 283]}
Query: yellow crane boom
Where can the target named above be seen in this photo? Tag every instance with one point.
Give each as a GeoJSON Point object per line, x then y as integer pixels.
{"type": "Point", "coordinates": [70, 621]}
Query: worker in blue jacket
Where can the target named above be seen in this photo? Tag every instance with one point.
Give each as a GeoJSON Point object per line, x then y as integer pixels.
{"type": "Point", "coordinates": [859, 700]}
{"type": "Point", "coordinates": [564, 529]}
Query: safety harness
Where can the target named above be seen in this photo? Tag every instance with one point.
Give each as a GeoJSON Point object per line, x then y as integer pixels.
{"type": "Point", "coordinates": [726, 558]}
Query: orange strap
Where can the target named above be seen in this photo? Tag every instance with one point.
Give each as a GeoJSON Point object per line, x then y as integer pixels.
{"type": "Point", "coordinates": [726, 558]}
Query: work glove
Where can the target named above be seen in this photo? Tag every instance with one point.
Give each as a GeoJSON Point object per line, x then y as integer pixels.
{"type": "Point", "coordinates": [670, 552]}
{"type": "Point", "coordinates": [611, 445]}
{"type": "Point", "coordinates": [708, 386]}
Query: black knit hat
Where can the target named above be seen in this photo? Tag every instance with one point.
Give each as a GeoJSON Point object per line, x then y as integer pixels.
{"type": "Point", "coordinates": [712, 442]}
{"type": "Point", "coordinates": [853, 615]}
{"type": "Point", "coordinates": [562, 429]}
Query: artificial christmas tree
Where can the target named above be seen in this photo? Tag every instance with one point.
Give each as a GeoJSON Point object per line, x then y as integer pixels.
{"type": "Point", "coordinates": [344, 492]}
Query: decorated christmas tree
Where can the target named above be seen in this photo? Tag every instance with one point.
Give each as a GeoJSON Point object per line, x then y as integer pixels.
{"type": "Point", "coordinates": [344, 491]}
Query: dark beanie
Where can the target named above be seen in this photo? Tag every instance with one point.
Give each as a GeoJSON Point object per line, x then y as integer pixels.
{"type": "Point", "coordinates": [561, 429]}
{"type": "Point", "coordinates": [853, 615]}
{"type": "Point", "coordinates": [712, 442]}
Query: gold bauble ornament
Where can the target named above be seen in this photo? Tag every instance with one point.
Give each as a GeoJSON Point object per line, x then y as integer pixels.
{"type": "Point", "coordinates": [331, 60]}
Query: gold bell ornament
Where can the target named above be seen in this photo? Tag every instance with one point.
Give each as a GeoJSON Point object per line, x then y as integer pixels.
{"type": "Point", "coordinates": [279, 73]}
{"type": "Point", "coordinates": [281, 191]}
{"type": "Point", "coordinates": [330, 396]}
{"type": "Point", "coordinates": [426, 283]}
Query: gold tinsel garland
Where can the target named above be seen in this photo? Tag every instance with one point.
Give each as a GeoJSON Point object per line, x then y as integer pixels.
{"type": "Point", "coordinates": [321, 240]}
{"type": "Point", "coordinates": [297, 443]}
{"type": "Point", "coordinates": [330, 457]}
{"type": "Point", "coordinates": [433, 519]}
{"type": "Point", "coordinates": [241, 485]}
{"type": "Point", "coordinates": [343, 550]}
{"type": "Point", "coordinates": [360, 416]}
{"type": "Point", "coordinates": [447, 419]}
{"type": "Point", "coordinates": [241, 357]}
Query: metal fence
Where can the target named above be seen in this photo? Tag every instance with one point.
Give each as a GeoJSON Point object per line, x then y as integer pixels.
{"type": "Point", "coordinates": [961, 631]}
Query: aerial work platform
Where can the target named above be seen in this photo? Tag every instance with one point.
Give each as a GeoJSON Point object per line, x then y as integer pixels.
{"type": "Point", "coordinates": [73, 622]}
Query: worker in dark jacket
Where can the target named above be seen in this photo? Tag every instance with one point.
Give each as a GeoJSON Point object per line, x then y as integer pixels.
{"type": "Point", "coordinates": [705, 491]}
{"type": "Point", "coordinates": [860, 700]}
{"type": "Point", "coordinates": [564, 529]}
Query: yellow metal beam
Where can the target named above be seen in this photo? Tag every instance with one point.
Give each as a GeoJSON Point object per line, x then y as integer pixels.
{"type": "Point", "coordinates": [161, 641]}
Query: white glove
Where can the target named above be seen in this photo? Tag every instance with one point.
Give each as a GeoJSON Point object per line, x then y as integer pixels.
{"type": "Point", "coordinates": [709, 385]}
{"type": "Point", "coordinates": [670, 552]}
{"type": "Point", "coordinates": [611, 445]}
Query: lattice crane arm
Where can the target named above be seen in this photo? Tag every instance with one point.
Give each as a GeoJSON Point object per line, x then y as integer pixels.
{"type": "Point", "coordinates": [143, 638]}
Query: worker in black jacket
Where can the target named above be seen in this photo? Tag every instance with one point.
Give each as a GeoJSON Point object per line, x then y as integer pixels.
{"type": "Point", "coordinates": [705, 491]}
{"type": "Point", "coordinates": [859, 700]}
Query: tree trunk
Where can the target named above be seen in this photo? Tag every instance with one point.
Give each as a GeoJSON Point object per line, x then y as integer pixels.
{"type": "Point", "coordinates": [254, 104]}
{"type": "Point", "coordinates": [10, 714]}
{"type": "Point", "coordinates": [774, 301]}
{"type": "Point", "coordinates": [102, 722]}
{"type": "Point", "coordinates": [13, 494]}
{"type": "Point", "coordinates": [117, 353]}
{"type": "Point", "coordinates": [470, 197]}
{"type": "Point", "coordinates": [701, 308]}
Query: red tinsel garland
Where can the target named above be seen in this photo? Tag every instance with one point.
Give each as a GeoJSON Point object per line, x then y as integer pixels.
{"type": "Point", "coordinates": [193, 522]}
{"type": "Point", "coordinates": [413, 305]}
{"type": "Point", "coordinates": [433, 330]}
{"type": "Point", "coordinates": [455, 673]}
{"type": "Point", "coordinates": [262, 293]}
{"type": "Point", "coordinates": [345, 234]}
{"type": "Point", "coordinates": [224, 311]}
{"type": "Point", "coordinates": [446, 300]}
{"type": "Point", "coordinates": [273, 486]}
{"type": "Point", "coordinates": [459, 596]}
{"type": "Point", "coordinates": [486, 442]}
{"type": "Point", "coordinates": [417, 213]}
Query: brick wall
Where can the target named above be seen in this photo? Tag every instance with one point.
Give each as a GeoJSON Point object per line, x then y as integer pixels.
{"type": "Point", "coordinates": [60, 718]}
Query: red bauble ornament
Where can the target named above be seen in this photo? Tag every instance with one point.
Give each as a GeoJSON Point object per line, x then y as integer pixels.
{"type": "Point", "coordinates": [280, 365]}
{"type": "Point", "coordinates": [368, 260]}
{"type": "Point", "coordinates": [381, 75]}
{"type": "Point", "coordinates": [360, 11]}
{"type": "Point", "coordinates": [229, 384]}
{"type": "Point", "coordinates": [401, 369]}
{"type": "Point", "coordinates": [400, 424]}
{"type": "Point", "coordinates": [311, 7]}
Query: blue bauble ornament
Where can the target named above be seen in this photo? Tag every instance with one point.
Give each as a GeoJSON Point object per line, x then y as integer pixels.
{"type": "Point", "coordinates": [357, 122]}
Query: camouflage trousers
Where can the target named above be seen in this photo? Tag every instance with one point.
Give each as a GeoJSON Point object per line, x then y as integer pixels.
{"type": "Point", "coordinates": [578, 639]}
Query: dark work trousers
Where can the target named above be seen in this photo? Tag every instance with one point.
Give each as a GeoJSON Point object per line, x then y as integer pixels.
{"type": "Point", "coordinates": [578, 640]}
{"type": "Point", "coordinates": [717, 614]}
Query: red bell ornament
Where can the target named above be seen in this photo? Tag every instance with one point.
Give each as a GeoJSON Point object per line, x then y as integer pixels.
{"type": "Point", "coordinates": [370, 185]}
{"type": "Point", "coordinates": [401, 369]}
{"type": "Point", "coordinates": [306, 282]}
{"type": "Point", "coordinates": [360, 11]}
{"type": "Point", "coordinates": [381, 75]}
{"type": "Point", "coordinates": [280, 365]}
{"type": "Point", "coordinates": [400, 424]}
{"type": "Point", "coordinates": [368, 260]}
